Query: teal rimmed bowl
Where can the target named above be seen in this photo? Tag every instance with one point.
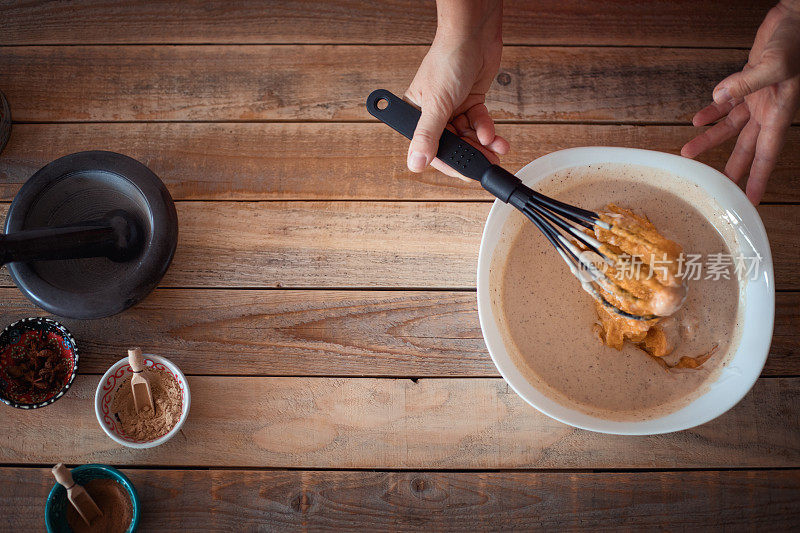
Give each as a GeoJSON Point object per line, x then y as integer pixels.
{"type": "Point", "coordinates": [55, 510]}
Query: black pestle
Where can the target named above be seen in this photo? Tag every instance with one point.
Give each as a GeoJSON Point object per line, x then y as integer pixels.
{"type": "Point", "coordinates": [117, 236]}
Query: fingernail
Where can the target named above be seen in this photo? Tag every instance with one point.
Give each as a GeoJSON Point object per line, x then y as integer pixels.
{"type": "Point", "coordinates": [722, 95]}
{"type": "Point", "coordinates": [417, 161]}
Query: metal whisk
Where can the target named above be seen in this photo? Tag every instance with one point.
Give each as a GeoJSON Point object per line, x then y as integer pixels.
{"type": "Point", "coordinates": [550, 216]}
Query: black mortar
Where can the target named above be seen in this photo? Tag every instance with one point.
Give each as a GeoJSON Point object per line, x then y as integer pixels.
{"type": "Point", "coordinates": [111, 230]}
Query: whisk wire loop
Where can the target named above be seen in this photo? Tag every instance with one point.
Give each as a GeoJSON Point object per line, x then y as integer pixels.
{"type": "Point", "coordinates": [549, 216]}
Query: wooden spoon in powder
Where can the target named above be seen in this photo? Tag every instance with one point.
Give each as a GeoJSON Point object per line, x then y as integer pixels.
{"type": "Point", "coordinates": [77, 495]}
{"type": "Point", "coordinates": [140, 384]}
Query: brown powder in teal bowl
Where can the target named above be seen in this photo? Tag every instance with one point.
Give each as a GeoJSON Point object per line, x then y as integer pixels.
{"type": "Point", "coordinates": [113, 501]}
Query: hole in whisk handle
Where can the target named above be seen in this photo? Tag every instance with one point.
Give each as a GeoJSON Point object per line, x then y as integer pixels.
{"type": "Point", "coordinates": [403, 117]}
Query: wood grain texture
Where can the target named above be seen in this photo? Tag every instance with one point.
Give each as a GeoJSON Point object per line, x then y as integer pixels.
{"type": "Point", "coordinates": [366, 245]}
{"type": "Point", "coordinates": [333, 333]}
{"type": "Point", "coordinates": [201, 83]}
{"type": "Point", "coordinates": [236, 500]}
{"type": "Point", "coordinates": [237, 161]}
{"type": "Point", "coordinates": [663, 23]}
{"type": "Point", "coordinates": [321, 333]}
{"type": "Point", "coordinates": [452, 423]}
{"type": "Point", "coordinates": [324, 244]}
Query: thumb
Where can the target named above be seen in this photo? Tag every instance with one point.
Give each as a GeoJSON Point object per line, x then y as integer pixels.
{"type": "Point", "coordinates": [426, 136]}
{"type": "Point", "coordinates": [764, 73]}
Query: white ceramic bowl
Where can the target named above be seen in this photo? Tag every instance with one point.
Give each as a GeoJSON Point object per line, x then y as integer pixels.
{"type": "Point", "coordinates": [746, 364]}
{"type": "Point", "coordinates": [108, 385]}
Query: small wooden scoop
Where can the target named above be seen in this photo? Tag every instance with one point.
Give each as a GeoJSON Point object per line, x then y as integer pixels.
{"type": "Point", "coordinates": [77, 495]}
{"type": "Point", "coordinates": [142, 397]}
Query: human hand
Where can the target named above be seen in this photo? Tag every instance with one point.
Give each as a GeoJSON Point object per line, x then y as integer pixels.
{"type": "Point", "coordinates": [450, 88]}
{"type": "Point", "coordinates": [758, 103]}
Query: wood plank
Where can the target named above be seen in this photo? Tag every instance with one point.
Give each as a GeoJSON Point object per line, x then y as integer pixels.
{"type": "Point", "coordinates": [321, 333]}
{"type": "Point", "coordinates": [324, 244]}
{"type": "Point", "coordinates": [333, 333]}
{"type": "Point", "coordinates": [784, 354]}
{"type": "Point", "coordinates": [236, 500]}
{"type": "Point", "coordinates": [201, 83]}
{"type": "Point", "coordinates": [367, 245]}
{"type": "Point", "coordinates": [236, 161]}
{"type": "Point", "coordinates": [452, 423]}
{"type": "Point", "coordinates": [665, 23]}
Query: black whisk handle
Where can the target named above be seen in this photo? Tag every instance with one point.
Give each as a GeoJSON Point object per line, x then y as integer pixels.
{"type": "Point", "coordinates": [393, 111]}
{"type": "Point", "coordinates": [403, 117]}
{"type": "Point", "coordinates": [503, 184]}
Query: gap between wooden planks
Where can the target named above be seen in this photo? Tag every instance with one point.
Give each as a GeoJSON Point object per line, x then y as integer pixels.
{"type": "Point", "coordinates": [665, 23]}
{"type": "Point", "coordinates": [233, 500]}
{"type": "Point", "coordinates": [398, 423]}
{"type": "Point", "coordinates": [301, 161]}
{"type": "Point", "coordinates": [319, 333]}
{"type": "Point", "coordinates": [365, 245]}
{"type": "Point", "coordinates": [224, 83]}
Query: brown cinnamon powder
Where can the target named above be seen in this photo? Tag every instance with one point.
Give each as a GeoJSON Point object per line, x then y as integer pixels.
{"type": "Point", "coordinates": [147, 425]}
{"type": "Point", "coordinates": [113, 501]}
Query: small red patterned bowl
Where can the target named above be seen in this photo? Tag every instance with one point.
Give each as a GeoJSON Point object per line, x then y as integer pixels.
{"type": "Point", "coordinates": [14, 342]}
{"type": "Point", "coordinates": [111, 382]}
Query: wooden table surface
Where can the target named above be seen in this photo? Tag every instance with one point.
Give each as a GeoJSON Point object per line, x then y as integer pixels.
{"type": "Point", "coordinates": [322, 297]}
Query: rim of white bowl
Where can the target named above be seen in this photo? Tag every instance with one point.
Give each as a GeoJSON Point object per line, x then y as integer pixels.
{"type": "Point", "coordinates": [98, 396]}
{"type": "Point", "coordinates": [742, 370]}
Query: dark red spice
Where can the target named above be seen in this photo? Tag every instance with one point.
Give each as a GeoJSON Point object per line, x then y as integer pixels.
{"type": "Point", "coordinates": [37, 368]}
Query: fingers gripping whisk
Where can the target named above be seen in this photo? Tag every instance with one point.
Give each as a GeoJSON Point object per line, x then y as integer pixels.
{"type": "Point", "coordinates": [571, 230]}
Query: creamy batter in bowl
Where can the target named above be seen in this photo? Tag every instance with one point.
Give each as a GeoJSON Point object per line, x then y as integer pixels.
{"type": "Point", "coordinates": [745, 235]}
